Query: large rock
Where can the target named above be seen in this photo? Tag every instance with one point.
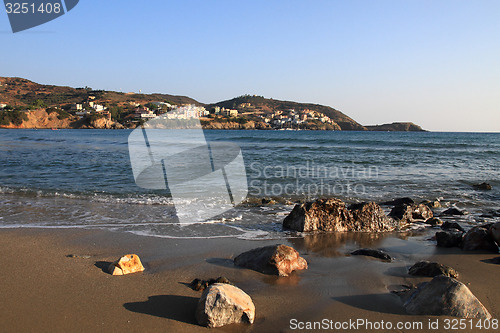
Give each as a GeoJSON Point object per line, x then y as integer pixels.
{"type": "Point", "coordinates": [130, 263]}
{"type": "Point", "coordinates": [495, 232]}
{"type": "Point", "coordinates": [275, 260]}
{"type": "Point", "coordinates": [479, 238]}
{"type": "Point", "coordinates": [322, 214]}
{"type": "Point", "coordinates": [368, 216]}
{"type": "Point", "coordinates": [448, 297]}
{"type": "Point", "coordinates": [449, 238]}
{"type": "Point", "coordinates": [223, 304]}
{"type": "Point", "coordinates": [434, 221]}
{"type": "Point", "coordinates": [411, 213]}
{"type": "Point", "coordinates": [332, 215]}
{"type": "Point", "coordinates": [431, 269]}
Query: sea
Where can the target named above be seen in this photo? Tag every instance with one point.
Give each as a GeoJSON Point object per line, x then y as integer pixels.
{"type": "Point", "coordinates": [84, 179]}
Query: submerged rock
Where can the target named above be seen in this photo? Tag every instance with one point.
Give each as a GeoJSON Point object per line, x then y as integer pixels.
{"type": "Point", "coordinates": [483, 186]}
{"type": "Point", "coordinates": [445, 296]}
{"type": "Point", "coordinates": [449, 238]}
{"type": "Point", "coordinates": [431, 269]}
{"type": "Point", "coordinates": [379, 254]}
{"type": "Point", "coordinates": [479, 238]}
{"type": "Point", "coordinates": [130, 263]}
{"type": "Point", "coordinates": [411, 213]}
{"type": "Point", "coordinates": [274, 259]}
{"type": "Point", "coordinates": [434, 221]}
{"type": "Point", "coordinates": [453, 211]}
{"type": "Point", "coordinates": [399, 202]}
{"type": "Point", "coordinates": [223, 304]}
{"type": "Point", "coordinates": [332, 215]}
{"type": "Point", "coordinates": [451, 226]}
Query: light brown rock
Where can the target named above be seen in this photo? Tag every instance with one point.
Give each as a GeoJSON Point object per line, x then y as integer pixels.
{"type": "Point", "coordinates": [130, 263]}
{"type": "Point", "coordinates": [223, 304]}
{"type": "Point", "coordinates": [275, 260]}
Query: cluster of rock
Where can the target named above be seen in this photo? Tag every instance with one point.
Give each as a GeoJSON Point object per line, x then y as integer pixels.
{"type": "Point", "coordinates": [199, 284]}
{"type": "Point", "coordinates": [334, 215]}
{"type": "Point", "coordinates": [485, 237]}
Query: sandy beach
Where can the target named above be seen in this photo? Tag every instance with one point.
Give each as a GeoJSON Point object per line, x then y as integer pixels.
{"type": "Point", "coordinates": [43, 289]}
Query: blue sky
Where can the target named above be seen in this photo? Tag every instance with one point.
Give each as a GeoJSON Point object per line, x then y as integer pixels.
{"type": "Point", "coordinates": [436, 63]}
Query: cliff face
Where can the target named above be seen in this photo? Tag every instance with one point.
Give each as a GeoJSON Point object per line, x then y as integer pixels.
{"type": "Point", "coordinates": [396, 127]}
{"type": "Point", "coordinates": [41, 119]}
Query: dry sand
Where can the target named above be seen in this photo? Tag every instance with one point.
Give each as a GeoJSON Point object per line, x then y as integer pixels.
{"type": "Point", "coordinates": [43, 290]}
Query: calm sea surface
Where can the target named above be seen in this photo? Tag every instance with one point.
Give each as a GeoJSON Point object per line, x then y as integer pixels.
{"type": "Point", "coordinates": [83, 178]}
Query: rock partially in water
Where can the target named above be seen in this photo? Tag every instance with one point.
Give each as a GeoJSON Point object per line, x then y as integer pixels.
{"type": "Point", "coordinates": [434, 221]}
{"type": "Point", "coordinates": [452, 226]}
{"type": "Point", "coordinates": [483, 187]}
{"type": "Point", "coordinates": [368, 216]}
{"type": "Point", "coordinates": [332, 215]}
{"type": "Point", "coordinates": [320, 215]}
{"type": "Point", "coordinates": [379, 254]}
{"type": "Point", "coordinates": [432, 204]}
{"type": "Point", "coordinates": [130, 263]}
{"type": "Point", "coordinates": [431, 269]}
{"type": "Point", "coordinates": [274, 259]}
{"type": "Point", "coordinates": [453, 211]}
{"type": "Point", "coordinates": [399, 202]}
{"type": "Point", "coordinates": [411, 213]}
{"type": "Point", "coordinates": [449, 238]}
{"type": "Point", "coordinates": [223, 304]}
{"type": "Point", "coordinates": [445, 296]}
{"type": "Point", "coordinates": [479, 238]}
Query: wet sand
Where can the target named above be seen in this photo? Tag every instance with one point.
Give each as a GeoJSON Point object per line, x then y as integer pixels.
{"type": "Point", "coordinates": [45, 290]}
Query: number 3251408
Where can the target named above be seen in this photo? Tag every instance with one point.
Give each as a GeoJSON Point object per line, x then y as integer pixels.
{"type": "Point", "coordinates": [27, 8]}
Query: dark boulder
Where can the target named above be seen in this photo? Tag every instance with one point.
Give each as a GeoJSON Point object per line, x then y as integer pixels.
{"type": "Point", "coordinates": [479, 238]}
{"type": "Point", "coordinates": [445, 296]}
{"type": "Point", "coordinates": [449, 238]}
{"type": "Point", "coordinates": [379, 254]}
{"type": "Point", "coordinates": [431, 269]}
{"type": "Point", "coordinates": [452, 226]}
{"type": "Point", "coordinates": [399, 202]}
{"type": "Point", "coordinates": [274, 259]}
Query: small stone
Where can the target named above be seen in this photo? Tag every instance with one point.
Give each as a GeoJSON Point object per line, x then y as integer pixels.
{"type": "Point", "coordinates": [453, 211]}
{"type": "Point", "coordinates": [379, 254]}
{"type": "Point", "coordinates": [127, 264]}
{"type": "Point", "coordinates": [399, 202]}
{"type": "Point", "coordinates": [222, 304]}
{"type": "Point", "coordinates": [431, 269]}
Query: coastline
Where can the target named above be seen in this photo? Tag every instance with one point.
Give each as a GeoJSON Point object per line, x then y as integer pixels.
{"type": "Point", "coordinates": [75, 293]}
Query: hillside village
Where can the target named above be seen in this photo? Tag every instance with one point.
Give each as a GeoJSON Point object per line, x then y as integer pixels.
{"type": "Point", "coordinates": [25, 104]}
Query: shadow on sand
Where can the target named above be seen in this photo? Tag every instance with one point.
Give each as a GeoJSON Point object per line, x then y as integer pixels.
{"type": "Point", "coordinates": [179, 308]}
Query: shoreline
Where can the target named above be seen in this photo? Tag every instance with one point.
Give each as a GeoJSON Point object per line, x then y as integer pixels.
{"type": "Point", "coordinates": [76, 293]}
